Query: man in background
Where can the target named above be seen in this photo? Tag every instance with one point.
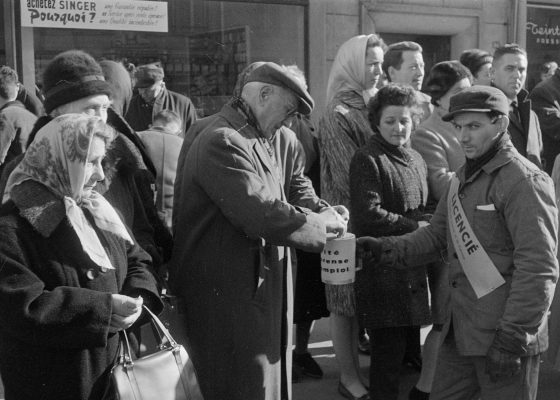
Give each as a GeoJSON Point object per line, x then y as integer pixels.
{"type": "Point", "coordinates": [509, 72]}
{"type": "Point", "coordinates": [545, 99]}
{"type": "Point", "coordinates": [163, 144]}
{"type": "Point", "coordinates": [403, 63]}
{"type": "Point", "coordinates": [153, 97]}
{"type": "Point", "coordinates": [16, 122]}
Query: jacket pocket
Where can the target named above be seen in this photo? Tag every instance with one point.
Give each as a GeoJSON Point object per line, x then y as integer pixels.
{"type": "Point", "coordinates": [490, 308]}
{"type": "Point", "coordinates": [489, 227]}
{"type": "Point", "coordinates": [261, 279]}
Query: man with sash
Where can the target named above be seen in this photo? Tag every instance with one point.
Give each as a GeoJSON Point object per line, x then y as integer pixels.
{"type": "Point", "coordinates": [497, 227]}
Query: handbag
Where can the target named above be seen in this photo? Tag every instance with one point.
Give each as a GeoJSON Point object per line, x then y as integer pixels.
{"type": "Point", "coordinates": [167, 374]}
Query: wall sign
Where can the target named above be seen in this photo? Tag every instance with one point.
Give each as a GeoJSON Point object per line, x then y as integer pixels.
{"type": "Point", "coordinates": [543, 26]}
{"type": "Point", "coordinates": [542, 38]}
{"type": "Point", "coordinates": [122, 15]}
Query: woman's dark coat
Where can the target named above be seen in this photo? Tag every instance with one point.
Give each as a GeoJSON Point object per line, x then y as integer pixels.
{"type": "Point", "coordinates": [388, 193]}
{"type": "Point", "coordinates": [55, 303]}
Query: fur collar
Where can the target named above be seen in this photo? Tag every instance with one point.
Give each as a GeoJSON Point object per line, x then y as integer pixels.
{"type": "Point", "coordinates": [39, 206]}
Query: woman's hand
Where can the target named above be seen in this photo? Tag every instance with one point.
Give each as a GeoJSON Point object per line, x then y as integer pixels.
{"type": "Point", "coordinates": [124, 312]}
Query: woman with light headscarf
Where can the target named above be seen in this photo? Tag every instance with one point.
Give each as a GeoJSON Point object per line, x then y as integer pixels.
{"type": "Point", "coordinates": [72, 275]}
{"type": "Point", "coordinates": [342, 130]}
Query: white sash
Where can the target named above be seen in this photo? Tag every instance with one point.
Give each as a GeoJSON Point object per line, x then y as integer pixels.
{"type": "Point", "coordinates": [481, 272]}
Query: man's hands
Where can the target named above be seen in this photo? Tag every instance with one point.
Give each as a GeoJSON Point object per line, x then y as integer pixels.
{"type": "Point", "coordinates": [125, 311]}
{"type": "Point", "coordinates": [369, 249]}
{"type": "Point", "coordinates": [335, 219]}
{"type": "Point", "coordinates": [503, 359]}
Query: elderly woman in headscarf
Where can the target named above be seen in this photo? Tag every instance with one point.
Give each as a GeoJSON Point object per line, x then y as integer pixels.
{"type": "Point", "coordinates": [71, 274]}
{"type": "Point", "coordinates": [342, 130]}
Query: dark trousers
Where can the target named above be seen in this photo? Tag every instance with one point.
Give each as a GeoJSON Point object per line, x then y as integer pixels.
{"type": "Point", "coordinates": [388, 348]}
{"type": "Point", "coordinates": [460, 377]}
{"type": "Point", "coordinates": [413, 347]}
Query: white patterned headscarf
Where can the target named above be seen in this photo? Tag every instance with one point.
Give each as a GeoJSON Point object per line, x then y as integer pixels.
{"type": "Point", "coordinates": [57, 159]}
{"type": "Point", "coordinates": [348, 72]}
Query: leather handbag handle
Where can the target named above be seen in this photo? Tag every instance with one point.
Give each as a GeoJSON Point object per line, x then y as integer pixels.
{"type": "Point", "coordinates": [160, 331]}
{"type": "Point", "coordinates": [163, 332]}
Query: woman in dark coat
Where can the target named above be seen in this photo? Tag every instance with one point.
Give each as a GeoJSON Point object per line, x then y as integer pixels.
{"type": "Point", "coordinates": [388, 193]}
{"type": "Point", "coordinates": [71, 275]}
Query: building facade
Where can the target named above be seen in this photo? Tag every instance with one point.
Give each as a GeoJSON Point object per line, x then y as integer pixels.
{"type": "Point", "coordinates": [209, 42]}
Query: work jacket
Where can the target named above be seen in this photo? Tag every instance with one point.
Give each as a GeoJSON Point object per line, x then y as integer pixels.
{"type": "Point", "coordinates": [510, 205]}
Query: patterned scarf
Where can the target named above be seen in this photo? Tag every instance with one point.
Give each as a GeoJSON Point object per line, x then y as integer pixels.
{"type": "Point", "coordinates": [348, 72]}
{"type": "Point", "coordinates": [57, 159]}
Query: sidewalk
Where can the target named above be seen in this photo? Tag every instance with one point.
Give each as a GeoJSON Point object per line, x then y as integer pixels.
{"type": "Point", "coordinates": [326, 389]}
{"type": "Point", "coordinates": [321, 349]}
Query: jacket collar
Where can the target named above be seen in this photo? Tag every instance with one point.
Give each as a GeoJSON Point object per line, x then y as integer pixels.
{"type": "Point", "coordinates": [117, 121]}
{"type": "Point", "coordinates": [503, 156]}
{"type": "Point", "coordinates": [14, 103]}
{"type": "Point", "coordinates": [522, 96]}
{"type": "Point", "coordinates": [436, 124]}
{"type": "Point", "coordinates": [397, 153]}
{"type": "Point", "coordinates": [239, 122]}
{"type": "Point", "coordinates": [39, 206]}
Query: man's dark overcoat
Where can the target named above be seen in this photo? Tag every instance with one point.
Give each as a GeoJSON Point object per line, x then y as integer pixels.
{"type": "Point", "coordinates": [242, 207]}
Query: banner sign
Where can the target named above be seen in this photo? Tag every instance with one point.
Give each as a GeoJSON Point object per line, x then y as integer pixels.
{"type": "Point", "coordinates": [122, 15]}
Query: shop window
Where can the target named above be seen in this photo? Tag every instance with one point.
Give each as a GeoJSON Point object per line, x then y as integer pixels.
{"type": "Point", "coordinates": [208, 44]}
{"type": "Point", "coordinates": [543, 40]}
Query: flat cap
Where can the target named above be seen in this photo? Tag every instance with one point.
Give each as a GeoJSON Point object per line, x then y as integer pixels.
{"type": "Point", "coordinates": [274, 74]}
{"type": "Point", "coordinates": [477, 98]}
{"type": "Point", "coordinates": [147, 75]}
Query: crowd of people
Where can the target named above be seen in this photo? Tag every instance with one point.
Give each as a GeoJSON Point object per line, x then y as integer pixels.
{"type": "Point", "coordinates": [114, 191]}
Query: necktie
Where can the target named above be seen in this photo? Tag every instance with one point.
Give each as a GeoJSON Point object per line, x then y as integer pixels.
{"type": "Point", "coordinates": [514, 115]}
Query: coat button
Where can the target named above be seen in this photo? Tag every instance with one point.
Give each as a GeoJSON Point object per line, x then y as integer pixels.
{"type": "Point", "coordinates": [90, 274]}
{"type": "Point", "coordinates": [462, 195]}
{"type": "Point", "coordinates": [454, 284]}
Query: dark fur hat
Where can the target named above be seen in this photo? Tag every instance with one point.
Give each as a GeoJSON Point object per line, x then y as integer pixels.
{"type": "Point", "coordinates": [70, 76]}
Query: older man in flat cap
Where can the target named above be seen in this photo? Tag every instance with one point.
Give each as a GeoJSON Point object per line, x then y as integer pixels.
{"type": "Point", "coordinates": [154, 97]}
{"type": "Point", "coordinates": [498, 224]}
{"type": "Point", "coordinates": [245, 202]}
